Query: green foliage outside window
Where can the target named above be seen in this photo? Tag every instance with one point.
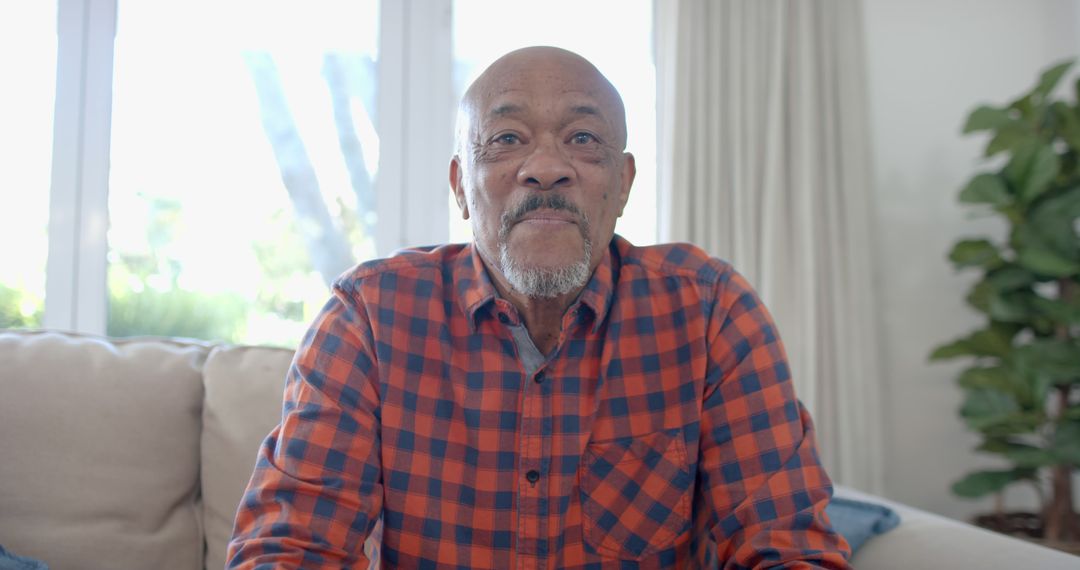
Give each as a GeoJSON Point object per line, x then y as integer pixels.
{"type": "Point", "coordinates": [147, 296]}
{"type": "Point", "coordinates": [18, 309]}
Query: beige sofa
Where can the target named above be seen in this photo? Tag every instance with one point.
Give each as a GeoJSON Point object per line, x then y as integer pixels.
{"type": "Point", "coordinates": [133, 454]}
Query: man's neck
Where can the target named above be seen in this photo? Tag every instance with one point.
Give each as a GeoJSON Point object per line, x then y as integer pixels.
{"type": "Point", "coordinates": [542, 316]}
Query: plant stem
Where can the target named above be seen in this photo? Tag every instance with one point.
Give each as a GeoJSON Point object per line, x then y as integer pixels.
{"type": "Point", "coordinates": [1060, 518]}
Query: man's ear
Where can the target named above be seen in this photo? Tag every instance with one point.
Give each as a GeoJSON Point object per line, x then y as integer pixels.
{"type": "Point", "coordinates": [629, 171]}
{"type": "Point", "coordinates": [457, 187]}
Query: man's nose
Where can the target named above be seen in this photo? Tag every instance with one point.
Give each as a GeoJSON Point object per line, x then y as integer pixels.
{"type": "Point", "coordinates": [546, 167]}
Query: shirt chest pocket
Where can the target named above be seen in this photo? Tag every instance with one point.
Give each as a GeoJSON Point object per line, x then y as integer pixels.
{"type": "Point", "coordinates": [635, 494]}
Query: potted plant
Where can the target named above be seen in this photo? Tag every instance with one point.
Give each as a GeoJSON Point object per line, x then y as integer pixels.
{"type": "Point", "coordinates": [1022, 391]}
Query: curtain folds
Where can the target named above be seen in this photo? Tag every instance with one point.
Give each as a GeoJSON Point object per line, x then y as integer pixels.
{"type": "Point", "coordinates": [764, 160]}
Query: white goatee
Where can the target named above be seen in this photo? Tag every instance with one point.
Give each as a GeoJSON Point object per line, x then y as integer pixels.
{"type": "Point", "coordinates": [547, 282]}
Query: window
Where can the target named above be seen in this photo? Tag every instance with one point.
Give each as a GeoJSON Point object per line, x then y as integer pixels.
{"type": "Point", "coordinates": [28, 63]}
{"type": "Point", "coordinates": [487, 29]}
{"type": "Point", "coordinates": [243, 161]}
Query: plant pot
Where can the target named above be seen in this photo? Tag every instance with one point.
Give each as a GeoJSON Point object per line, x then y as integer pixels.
{"type": "Point", "coordinates": [1025, 526]}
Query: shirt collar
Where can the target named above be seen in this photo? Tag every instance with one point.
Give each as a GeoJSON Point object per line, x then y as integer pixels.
{"type": "Point", "coordinates": [476, 291]}
{"type": "Point", "coordinates": [474, 286]}
{"type": "Point", "coordinates": [598, 291]}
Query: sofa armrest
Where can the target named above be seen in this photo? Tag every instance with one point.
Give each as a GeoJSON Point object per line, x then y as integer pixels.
{"type": "Point", "coordinates": [926, 540]}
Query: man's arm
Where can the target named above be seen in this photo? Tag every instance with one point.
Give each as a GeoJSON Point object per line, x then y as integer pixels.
{"type": "Point", "coordinates": [760, 472]}
{"type": "Point", "coordinates": [316, 492]}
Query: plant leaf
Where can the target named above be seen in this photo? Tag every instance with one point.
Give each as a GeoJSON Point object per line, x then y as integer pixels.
{"type": "Point", "coordinates": [1031, 456]}
{"type": "Point", "coordinates": [1066, 123]}
{"type": "Point", "coordinates": [1043, 171]}
{"type": "Point", "coordinates": [975, 253]}
{"type": "Point", "coordinates": [981, 295]}
{"type": "Point", "coordinates": [997, 445]}
{"type": "Point", "coordinates": [1053, 220]}
{"type": "Point", "coordinates": [1012, 135]}
{"type": "Point", "coordinates": [984, 408]}
{"type": "Point", "coordinates": [1019, 424]}
{"type": "Point", "coordinates": [1057, 310]}
{"type": "Point", "coordinates": [1056, 359]}
{"type": "Point", "coordinates": [981, 483]}
{"type": "Point", "coordinates": [1045, 262]}
{"type": "Point", "coordinates": [1010, 277]}
{"type": "Point", "coordinates": [1019, 453]}
{"type": "Point", "coordinates": [958, 347]}
{"type": "Point", "coordinates": [986, 118]}
{"type": "Point", "coordinates": [996, 340]}
{"type": "Point", "coordinates": [1040, 387]}
{"type": "Point", "coordinates": [1033, 167]}
{"type": "Point", "coordinates": [986, 189]}
{"type": "Point", "coordinates": [1013, 213]}
{"type": "Point", "coordinates": [989, 378]}
{"type": "Point", "coordinates": [1050, 78]}
{"type": "Point", "coordinates": [1012, 307]}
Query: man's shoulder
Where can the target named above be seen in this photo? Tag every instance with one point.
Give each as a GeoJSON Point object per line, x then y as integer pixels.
{"type": "Point", "coordinates": [680, 260]}
{"type": "Point", "coordinates": [414, 262]}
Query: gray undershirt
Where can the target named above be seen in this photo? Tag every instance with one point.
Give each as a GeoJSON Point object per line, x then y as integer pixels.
{"type": "Point", "coordinates": [530, 356]}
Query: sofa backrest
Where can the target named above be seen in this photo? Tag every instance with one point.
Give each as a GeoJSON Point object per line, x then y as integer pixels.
{"type": "Point", "coordinates": [243, 387]}
{"type": "Point", "coordinates": [129, 453]}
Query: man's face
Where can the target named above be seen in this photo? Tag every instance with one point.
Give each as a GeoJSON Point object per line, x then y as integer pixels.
{"type": "Point", "coordinates": [542, 174]}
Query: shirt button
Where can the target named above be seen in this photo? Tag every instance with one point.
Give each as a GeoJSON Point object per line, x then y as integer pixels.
{"type": "Point", "coordinates": [539, 379]}
{"type": "Point", "coordinates": [532, 476]}
{"type": "Point", "coordinates": [504, 319]}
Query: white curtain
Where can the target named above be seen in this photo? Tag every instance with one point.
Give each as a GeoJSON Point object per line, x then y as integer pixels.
{"type": "Point", "coordinates": [764, 161]}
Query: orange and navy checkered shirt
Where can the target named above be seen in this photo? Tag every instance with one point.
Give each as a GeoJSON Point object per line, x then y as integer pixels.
{"type": "Point", "coordinates": [662, 432]}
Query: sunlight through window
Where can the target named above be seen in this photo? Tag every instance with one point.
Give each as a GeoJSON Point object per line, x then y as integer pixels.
{"type": "Point", "coordinates": [243, 161]}
{"type": "Point", "coordinates": [28, 61]}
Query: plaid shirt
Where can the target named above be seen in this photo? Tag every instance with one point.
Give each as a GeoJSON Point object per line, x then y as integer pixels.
{"type": "Point", "coordinates": [662, 432]}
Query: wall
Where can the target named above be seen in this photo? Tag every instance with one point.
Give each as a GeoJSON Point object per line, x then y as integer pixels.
{"type": "Point", "coordinates": [930, 62]}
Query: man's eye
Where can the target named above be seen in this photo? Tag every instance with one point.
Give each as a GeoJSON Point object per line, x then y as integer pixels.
{"type": "Point", "coordinates": [582, 138]}
{"type": "Point", "coordinates": [508, 138]}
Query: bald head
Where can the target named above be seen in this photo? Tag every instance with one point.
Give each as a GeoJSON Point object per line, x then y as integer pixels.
{"type": "Point", "coordinates": [551, 72]}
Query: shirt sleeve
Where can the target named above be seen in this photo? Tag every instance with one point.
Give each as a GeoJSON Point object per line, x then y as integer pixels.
{"type": "Point", "coordinates": [760, 474]}
{"type": "Point", "coordinates": [316, 492]}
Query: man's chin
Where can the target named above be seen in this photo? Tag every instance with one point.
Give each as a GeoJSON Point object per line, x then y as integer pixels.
{"type": "Point", "coordinates": [545, 264]}
{"type": "Point", "coordinates": [545, 273]}
{"type": "Point", "coordinates": [547, 282]}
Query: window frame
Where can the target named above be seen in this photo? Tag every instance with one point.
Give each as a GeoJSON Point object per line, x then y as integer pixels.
{"type": "Point", "coordinates": [75, 278]}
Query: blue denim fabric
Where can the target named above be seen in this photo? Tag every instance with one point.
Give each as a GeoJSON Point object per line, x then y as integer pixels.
{"type": "Point", "coordinates": [9, 561]}
{"type": "Point", "coordinates": [859, 521]}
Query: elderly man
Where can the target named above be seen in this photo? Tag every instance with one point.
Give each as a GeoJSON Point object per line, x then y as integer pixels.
{"type": "Point", "coordinates": [549, 396]}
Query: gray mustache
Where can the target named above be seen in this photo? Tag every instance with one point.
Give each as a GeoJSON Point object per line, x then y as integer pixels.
{"type": "Point", "coordinates": [537, 202]}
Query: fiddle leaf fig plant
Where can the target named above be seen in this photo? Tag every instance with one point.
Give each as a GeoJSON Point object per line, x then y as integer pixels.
{"type": "Point", "coordinates": [1022, 390]}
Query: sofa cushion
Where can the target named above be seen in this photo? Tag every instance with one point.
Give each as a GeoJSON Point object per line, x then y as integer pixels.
{"type": "Point", "coordinates": [243, 386]}
{"type": "Point", "coordinates": [100, 450]}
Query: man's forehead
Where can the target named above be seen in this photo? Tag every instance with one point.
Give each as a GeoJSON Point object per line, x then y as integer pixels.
{"type": "Point", "coordinates": [541, 81]}
{"type": "Point", "coordinates": [565, 103]}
